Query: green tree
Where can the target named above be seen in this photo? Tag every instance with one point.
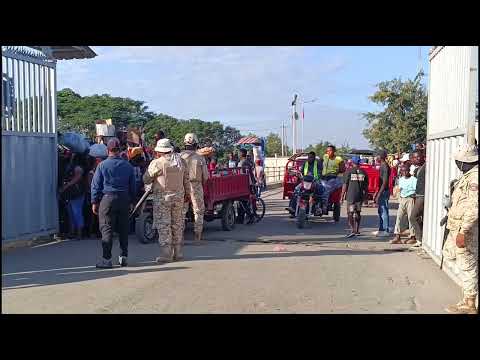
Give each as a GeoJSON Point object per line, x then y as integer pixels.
{"type": "Point", "coordinates": [273, 145]}
{"type": "Point", "coordinates": [77, 113]}
{"type": "Point", "coordinates": [321, 148]}
{"type": "Point", "coordinates": [403, 120]}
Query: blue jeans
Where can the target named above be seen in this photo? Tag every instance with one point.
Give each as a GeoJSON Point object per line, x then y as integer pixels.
{"type": "Point", "coordinates": [75, 212]}
{"type": "Point", "coordinates": [383, 211]}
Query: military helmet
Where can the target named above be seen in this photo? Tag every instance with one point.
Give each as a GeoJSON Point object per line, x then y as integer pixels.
{"type": "Point", "coordinates": [467, 153]}
{"type": "Point", "coordinates": [190, 139]}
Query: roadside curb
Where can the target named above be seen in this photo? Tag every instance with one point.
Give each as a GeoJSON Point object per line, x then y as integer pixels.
{"type": "Point", "coordinates": [18, 244]}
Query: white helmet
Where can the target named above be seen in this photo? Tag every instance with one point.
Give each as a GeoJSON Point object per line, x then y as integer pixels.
{"type": "Point", "coordinates": [190, 139]}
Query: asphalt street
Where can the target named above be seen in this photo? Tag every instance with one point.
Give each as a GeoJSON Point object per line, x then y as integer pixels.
{"type": "Point", "coordinates": [269, 267]}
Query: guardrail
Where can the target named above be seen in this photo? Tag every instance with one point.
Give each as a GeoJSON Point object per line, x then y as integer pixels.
{"type": "Point", "coordinates": [274, 174]}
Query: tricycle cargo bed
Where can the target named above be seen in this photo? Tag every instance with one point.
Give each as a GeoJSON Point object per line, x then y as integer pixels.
{"type": "Point", "coordinates": [225, 185]}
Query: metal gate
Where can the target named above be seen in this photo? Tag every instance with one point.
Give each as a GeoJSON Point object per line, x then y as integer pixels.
{"type": "Point", "coordinates": [29, 144]}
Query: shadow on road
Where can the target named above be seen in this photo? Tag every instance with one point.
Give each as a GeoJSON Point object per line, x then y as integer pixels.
{"type": "Point", "coordinates": [71, 275]}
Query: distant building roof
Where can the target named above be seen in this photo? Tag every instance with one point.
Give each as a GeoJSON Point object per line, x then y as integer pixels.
{"type": "Point", "coordinates": [362, 152]}
{"type": "Point", "coordinates": [249, 140]}
{"type": "Point", "coordinates": [66, 52]}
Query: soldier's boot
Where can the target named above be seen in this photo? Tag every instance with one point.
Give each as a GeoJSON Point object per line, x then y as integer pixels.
{"type": "Point", "coordinates": [166, 254]}
{"type": "Point", "coordinates": [178, 252]}
{"type": "Point", "coordinates": [466, 306]}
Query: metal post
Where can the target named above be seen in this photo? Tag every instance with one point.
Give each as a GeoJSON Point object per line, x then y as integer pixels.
{"type": "Point", "coordinates": [34, 99]}
{"type": "Point", "coordinates": [23, 97]}
{"type": "Point", "coordinates": [301, 123]}
{"type": "Point", "coordinates": [283, 130]}
{"type": "Point", "coordinates": [29, 106]}
{"type": "Point", "coordinates": [294, 125]}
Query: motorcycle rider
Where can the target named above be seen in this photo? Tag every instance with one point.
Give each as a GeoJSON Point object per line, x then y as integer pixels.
{"type": "Point", "coordinates": [198, 176]}
{"type": "Point", "coordinates": [311, 167]}
{"type": "Point", "coordinates": [332, 166]}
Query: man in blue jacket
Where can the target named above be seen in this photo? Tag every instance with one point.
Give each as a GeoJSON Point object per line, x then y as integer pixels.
{"type": "Point", "coordinates": [113, 192]}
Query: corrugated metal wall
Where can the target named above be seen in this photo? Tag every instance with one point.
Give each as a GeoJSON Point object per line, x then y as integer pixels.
{"type": "Point", "coordinates": [29, 145]}
{"type": "Point", "coordinates": [449, 89]}
{"type": "Point", "coordinates": [452, 96]}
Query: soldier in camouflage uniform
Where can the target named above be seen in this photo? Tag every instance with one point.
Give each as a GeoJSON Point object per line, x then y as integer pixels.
{"type": "Point", "coordinates": [462, 241]}
{"type": "Point", "coordinates": [198, 175]}
{"type": "Point", "coordinates": [169, 176]}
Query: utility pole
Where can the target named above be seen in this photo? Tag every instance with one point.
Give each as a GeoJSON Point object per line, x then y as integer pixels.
{"type": "Point", "coordinates": [283, 137]}
{"type": "Point", "coordinates": [294, 127]}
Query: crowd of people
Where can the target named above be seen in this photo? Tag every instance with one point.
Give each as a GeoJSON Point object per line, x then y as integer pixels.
{"type": "Point", "coordinates": [98, 190]}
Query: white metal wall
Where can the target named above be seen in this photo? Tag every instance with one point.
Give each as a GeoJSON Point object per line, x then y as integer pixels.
{"type": "Point", "coordinates": [29, 145]}
{"type": "Point", "coordinates": [453, 90]}
{"type": "Point", "coordinates": [449, 89]}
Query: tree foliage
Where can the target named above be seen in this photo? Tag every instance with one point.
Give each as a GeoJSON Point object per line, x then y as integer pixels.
{"type": "Point", "coordinates": [321, 148]}
{"type": "Point", "coordinates": [77, 113]}
{"type": "Point", "coordinates": [403, 120]}
{"type": "Point", "coordinates": [273, 145]}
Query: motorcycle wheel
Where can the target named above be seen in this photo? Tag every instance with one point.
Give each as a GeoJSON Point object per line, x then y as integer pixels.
{"type": "Point", "coordinates": [301, 217]}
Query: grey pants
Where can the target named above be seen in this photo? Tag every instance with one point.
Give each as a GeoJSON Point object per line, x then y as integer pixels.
{"type": "Point", "coordinates": [417, 217]}
{"type": "Point", "coordinates": [113, 215]}
{"type": "Point", "coordinates": [405, 209]}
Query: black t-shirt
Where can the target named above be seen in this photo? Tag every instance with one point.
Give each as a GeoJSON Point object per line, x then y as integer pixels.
{"type": "Point", "coordinates": [384, 174]}
{"type": "Point", "coordinates": [420, 175]}
{"type": "Point", "coordinates": [356, 180]}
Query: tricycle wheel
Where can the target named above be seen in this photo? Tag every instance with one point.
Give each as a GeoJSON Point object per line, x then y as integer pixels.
{"type": "Point", "coordinates": [301, 218]}
{"type": "Point", "coordinates": [336, 212]}
{"type": "Point", "coordinates": [260, 209]}
{"type": "Point", "coordinates": [228, 216]}
{"type": "Point", "coordinates": [144, 229]}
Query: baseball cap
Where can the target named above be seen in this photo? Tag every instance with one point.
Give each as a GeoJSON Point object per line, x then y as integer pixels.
{"type": "Point", "coordinates": [113, 144]}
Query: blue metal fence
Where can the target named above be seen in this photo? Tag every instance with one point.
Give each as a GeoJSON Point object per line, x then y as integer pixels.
{"type": "Point", "coordinates": [29, 145]}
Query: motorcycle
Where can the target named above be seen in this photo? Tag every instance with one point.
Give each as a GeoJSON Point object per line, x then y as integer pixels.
{"type": "Point", "coordinates": [310, 203]}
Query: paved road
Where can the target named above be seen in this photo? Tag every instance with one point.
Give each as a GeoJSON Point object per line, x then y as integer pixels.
{"type": "Point", "coordinates": [236, 272]}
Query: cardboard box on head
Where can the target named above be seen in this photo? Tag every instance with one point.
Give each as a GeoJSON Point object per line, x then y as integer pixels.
{"type": "Point", "coordinates": [105, 128]}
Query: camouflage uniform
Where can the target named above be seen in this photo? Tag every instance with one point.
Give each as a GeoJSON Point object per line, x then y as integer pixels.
{"type": "Point", "coordinates": [198, 175]}
{"type": "Point", "coordinates": [463, 218]}
{"type": "Point", "coordinates": [170, 184]}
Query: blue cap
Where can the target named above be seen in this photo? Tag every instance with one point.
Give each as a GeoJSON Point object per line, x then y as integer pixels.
{"type": "Point", "coordinates": [356, 159]}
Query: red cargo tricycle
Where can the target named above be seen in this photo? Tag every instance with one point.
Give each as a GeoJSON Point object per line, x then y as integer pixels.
{"type": "Point", "coordinates": [222, 190]}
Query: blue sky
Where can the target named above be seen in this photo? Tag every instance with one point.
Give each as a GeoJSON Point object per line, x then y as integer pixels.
{"type": "Point", "coordinates": [250, 88]}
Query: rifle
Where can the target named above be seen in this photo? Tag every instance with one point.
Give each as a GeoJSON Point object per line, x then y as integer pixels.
{"type": "Point", "coordinates": [148, 191]}
{"type": "Point", "coordinates": [447, 204]}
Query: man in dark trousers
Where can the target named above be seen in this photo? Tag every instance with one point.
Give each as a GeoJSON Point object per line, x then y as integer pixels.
{"type": "Point", "coordinates": [355, 190]}
{"type": "Point", "coordinates": [113, 191]}
{"type": "Point", "coordinates": [418, 159]}
{"type": "Point", "coordinates": [382, 196]}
